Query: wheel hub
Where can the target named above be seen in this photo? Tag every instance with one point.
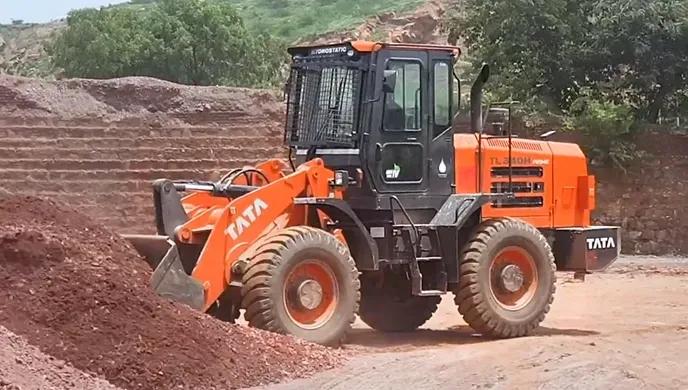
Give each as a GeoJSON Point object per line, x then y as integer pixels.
{"type": "Point", "coordinates": [512, 278]}
{"type": "Point", "coordinates": [309, 294]}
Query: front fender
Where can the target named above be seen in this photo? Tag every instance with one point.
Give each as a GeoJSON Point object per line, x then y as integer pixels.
{"type": "Point", "coordinates": [362, 246]}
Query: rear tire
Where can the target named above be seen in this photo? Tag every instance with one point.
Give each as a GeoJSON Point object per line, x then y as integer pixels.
{"type": "Point", "coordinates": [302, 281]}
{"type": "Point", "coordinates": [384, 310]}
{"type": "Point", "coordinates": [507, 278]}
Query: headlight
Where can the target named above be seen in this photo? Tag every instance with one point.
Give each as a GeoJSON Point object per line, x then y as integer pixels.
{"type": "Point", "coordinates": [339, 178]}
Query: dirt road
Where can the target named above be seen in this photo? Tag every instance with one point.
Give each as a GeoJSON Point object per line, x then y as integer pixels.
{"type": "Point", "coordinates": [627, 328]}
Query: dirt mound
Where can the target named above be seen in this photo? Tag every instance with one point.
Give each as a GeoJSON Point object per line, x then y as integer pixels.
{"type": "Point", "coordinates": [24, 367]}
{"type": "Point", "coordinates": [80, 293]}
{"type": "Point", "coordinates": [130, 100]}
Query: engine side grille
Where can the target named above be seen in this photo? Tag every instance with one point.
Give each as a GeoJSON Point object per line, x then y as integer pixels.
{"type": "Point", "coordinates": [517, 172]}
{"type": "Point", "coordinates": [515, 144]}
{"type": "Point", "coordinates": [520, 201]}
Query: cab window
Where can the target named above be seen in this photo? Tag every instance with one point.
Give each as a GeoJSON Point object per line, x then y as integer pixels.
{"type": "Point", "coordinates": [402, 163]}
{"type": "Point", "coordinates": [403, 107]}
{"type": "Point", "coordinates": [442, 102]}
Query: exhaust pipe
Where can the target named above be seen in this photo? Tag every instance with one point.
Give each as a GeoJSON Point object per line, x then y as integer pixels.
{"type": "Point", "coordinates": [477, 99]}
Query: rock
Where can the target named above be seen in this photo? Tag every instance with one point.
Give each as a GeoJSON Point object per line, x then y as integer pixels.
{"type": "Point", "coordinates": [634, 235]}
{"type": "Point", "coordinates": [651, 225]}
{"type": "Point", "coordinates": [662, 235]}
{"type": "Point", "coordinates": [649, 234]}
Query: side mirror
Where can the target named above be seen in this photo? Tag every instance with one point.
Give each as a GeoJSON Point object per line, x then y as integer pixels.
{"type": "Point", "coordinates": [456, 98]}
{"type": "Point", "coordinates": [390, 81]}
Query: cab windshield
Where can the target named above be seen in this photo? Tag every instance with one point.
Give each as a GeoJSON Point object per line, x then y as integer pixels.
{"type": "Point", "coordinates": [322, 105]}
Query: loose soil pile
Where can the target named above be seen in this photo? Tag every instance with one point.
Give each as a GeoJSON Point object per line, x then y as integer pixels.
{"type": "Point", "coordinates": [141, 101]}
{"type": "Point", "coordinates": [80, 293]}
{"type": "Point", "coordinates": [24, 367]}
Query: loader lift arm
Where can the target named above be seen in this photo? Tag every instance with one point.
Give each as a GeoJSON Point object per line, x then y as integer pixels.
{"type": "Point", "coordinates": [227, 228]}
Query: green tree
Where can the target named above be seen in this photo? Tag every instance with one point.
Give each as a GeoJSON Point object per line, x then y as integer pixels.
{"type": "Point", "coordinates": [609, 128]}
{"type": "Point", "coordinates": [642, 46]}
{"type": "Point", "coordinates": [101, 44]}
{"type": "Point", "coordinates": [633, 50]}
{"type": "Point", "coordinates": [528, 44]}
{"type": "Point", "coordinates": [201, 42]}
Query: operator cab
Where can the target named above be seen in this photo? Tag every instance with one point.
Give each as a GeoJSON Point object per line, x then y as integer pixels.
{"type": "Point", "coordinates": [381, 111]}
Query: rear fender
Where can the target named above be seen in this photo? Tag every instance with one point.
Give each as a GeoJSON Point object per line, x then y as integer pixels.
{"type": "Point", "coordinates": [458, 209]}
{"type": "Point", "coordinates": [455, 221]}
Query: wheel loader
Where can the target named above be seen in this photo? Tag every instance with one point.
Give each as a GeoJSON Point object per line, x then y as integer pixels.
{"type": "Point", "coordinates": [382, 208]}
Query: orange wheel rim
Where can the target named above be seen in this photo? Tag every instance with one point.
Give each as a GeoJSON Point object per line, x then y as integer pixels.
{"type": "Point", "coordinates": [513, 278]}
{"type": "Point", "coordinates": [311, 294]}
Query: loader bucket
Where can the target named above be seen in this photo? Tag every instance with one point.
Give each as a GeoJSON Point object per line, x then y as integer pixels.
{"type": "Point", "coordinates": [169, 279]}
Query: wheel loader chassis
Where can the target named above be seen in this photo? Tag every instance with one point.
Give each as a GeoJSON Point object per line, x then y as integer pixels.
{"type": "Point", "coordinates": [427, 254]}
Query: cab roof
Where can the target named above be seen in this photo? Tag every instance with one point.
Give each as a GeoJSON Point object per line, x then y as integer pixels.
{"type": "Point", "coordinates": [373, 46]}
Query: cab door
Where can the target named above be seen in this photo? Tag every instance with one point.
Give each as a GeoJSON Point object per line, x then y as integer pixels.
{"type": "Point", "coordinates": [440, 136]}
{"type": "Point", "coordinates": [397, 153]}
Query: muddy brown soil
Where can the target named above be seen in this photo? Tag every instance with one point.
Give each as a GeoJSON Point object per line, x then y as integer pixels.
{"type": "Point", "coordinates": [81, 294]}
{"type": "Point", "coordinates": [97, 145]}
{"type": "Point", "coordinates": [624, 329]}
{"type": "Point", "coordinates": [25, 367]}
{"type": "Point", "coordinates": [139, 101]}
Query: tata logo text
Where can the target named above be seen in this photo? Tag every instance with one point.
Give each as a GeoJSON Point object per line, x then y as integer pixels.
{"type": "Point", "coordinates": [601, 243]}
{"type": "Point", "coordinates": [244, 220]}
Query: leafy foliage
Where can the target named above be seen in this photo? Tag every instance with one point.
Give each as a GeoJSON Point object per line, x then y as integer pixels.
{"type": "Point", "coordinates": [643, 44]}
{"type": "Point", "coordinates": [101, 44]}
{"type": "Point", "coordinates": [609, 128]}
{"type": "Point", "coordinates": [201, 42]}
{"type": "Point", "coordinates": [284, 20]}
{"type": "Point", "coordinates": [631, 50]}
{"type": "Point", "coordinates": [295, 20]}
{"type": "Point", "coordinates": [21, 52]}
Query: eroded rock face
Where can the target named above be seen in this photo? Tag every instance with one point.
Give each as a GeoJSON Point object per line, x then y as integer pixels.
{"type": "Point", "coordinates": [98, 144]}
{"type": "Point", "coordinates": [648, 200]}
{"type": "Point", "coordinates": [419, 26]}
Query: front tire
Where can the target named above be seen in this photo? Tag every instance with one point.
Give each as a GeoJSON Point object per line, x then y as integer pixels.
{"type": "Point", "coordinates": [507, 278]}
{"type": "Point", "coordinates": [302, 282]}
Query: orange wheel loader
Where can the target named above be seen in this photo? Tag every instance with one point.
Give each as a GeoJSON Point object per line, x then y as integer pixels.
{"type": "Point", "coordinates": [382, 210]}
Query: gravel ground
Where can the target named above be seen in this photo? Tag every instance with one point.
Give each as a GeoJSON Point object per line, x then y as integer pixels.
{"type": "Point", "coordinates": [24, 367]}
{"type": "Point", "coordinates": [626, 328]}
